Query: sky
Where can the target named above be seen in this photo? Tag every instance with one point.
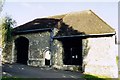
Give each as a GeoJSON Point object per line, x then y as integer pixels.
{"type": "Point", "coordinates": [24, 11]}
{"type": "Point", "coordinates": [62, 0]}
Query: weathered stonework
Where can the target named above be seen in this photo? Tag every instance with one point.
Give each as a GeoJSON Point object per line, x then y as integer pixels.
{"type": "Point", "coordinates": [57, 54]}
{"type": "Point", "coordinates": [101, 57]}
{"type": "Point", "coordinates": [38, 43]}
{"type": "Point", "coordinates": [85, 50]}
{"type": "Point", "coordinates": [6, 53]}
{"type": "Point", "coordinates": [98, 54]}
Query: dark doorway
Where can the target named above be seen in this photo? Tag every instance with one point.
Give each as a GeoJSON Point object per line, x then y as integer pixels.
{"type": "Point", "coordinates": [47, 62]}
{"type": "Point", "coordinates": [22, 44]}
{"type": "Point", "coordinates": [72, 51]}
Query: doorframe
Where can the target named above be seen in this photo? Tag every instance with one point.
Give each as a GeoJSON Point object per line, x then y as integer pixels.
{"type": "Point", "coordinates": [14, 51]}
{"type": "Point", "coordinates": [71, 38]}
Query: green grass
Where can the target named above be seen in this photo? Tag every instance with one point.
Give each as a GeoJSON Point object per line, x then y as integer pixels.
{"type": "Point", "coordinates": [117, 59]}
{"type": "Point", "coordinates": [93, 77]}
{"type": "Point", "coordinates": [9, 78]}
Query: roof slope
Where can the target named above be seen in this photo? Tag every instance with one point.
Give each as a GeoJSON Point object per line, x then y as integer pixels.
{"type": "Point", "coordinates": [86, 22]}
{"type": "Point", "coordinates": [37, 24]}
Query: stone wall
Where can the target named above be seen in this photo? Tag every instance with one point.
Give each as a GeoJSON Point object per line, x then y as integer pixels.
{"type": "Point", "coordinates": [7, 53]}
{"type": "Point", "coordinates": [38, 43]}
{"type": "Point", "coordinates": [101, 57]}
{"type": "Point", "coordinates": [58, 55]}
{"type": "Point", "coordinates": [98, 54]}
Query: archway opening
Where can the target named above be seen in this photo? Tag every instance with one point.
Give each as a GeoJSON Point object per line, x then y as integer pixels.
{"type": "Point", "coordinates": [72, 51]}
{"type": "Point", "coordinates": [22, 45]}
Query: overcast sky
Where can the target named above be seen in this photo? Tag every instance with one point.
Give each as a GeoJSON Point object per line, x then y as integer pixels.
{"type": "Point", "coordinates": [25, 11]}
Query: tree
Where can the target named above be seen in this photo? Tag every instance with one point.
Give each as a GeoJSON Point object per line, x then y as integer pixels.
{"type": "Point", "coordinates": [6, 24]}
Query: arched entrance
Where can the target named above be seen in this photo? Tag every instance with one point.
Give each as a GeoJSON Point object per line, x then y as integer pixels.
{"type": "Point", "coordinates": [21, 45]}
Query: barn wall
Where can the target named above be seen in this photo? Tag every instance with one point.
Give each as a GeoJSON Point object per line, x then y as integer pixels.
{"type": "Point", "coordinates": [100, 56]}
{"type": "Point", "coordinates": [38, 43]}
{"type": "Point", "coordinates": [58, 55]}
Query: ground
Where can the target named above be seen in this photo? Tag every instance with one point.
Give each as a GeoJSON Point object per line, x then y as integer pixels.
{"type": "Point", "coordinates": [24, 71]}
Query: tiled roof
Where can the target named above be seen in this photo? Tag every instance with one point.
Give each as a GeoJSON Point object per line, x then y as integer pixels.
{"type": "Point", "coordinates": [38, 24]}
{"type": "Point", "coordinates": [86, 22]}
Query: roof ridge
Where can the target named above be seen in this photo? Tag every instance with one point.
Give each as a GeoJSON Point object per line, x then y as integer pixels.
{"type": "Point", "coordinates": [65, 14]}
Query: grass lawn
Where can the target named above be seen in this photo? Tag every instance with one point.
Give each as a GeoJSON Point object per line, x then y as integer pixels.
{"type": "Point", "coordinates": [92, 77]}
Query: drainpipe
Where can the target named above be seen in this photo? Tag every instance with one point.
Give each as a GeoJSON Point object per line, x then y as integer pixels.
{"type": "Point", "coordinates": [51, 41]}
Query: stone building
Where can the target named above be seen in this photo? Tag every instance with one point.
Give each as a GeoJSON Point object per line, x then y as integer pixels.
{"type": "Point", "coordinates": [74, 41]}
